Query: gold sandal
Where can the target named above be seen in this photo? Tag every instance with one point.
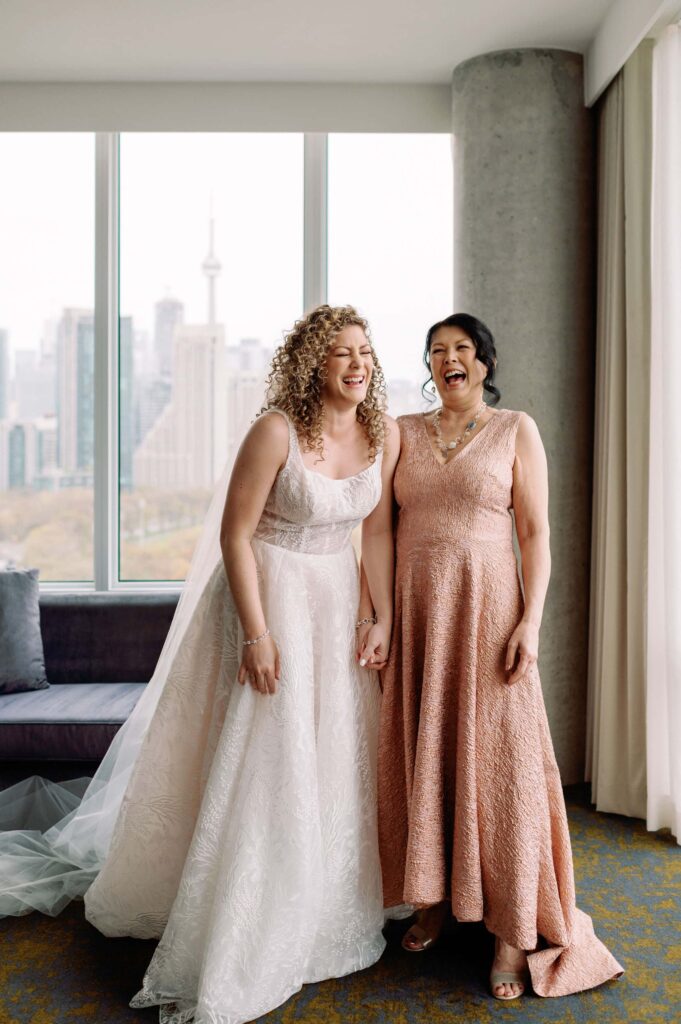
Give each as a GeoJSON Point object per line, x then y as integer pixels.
{"type": "Point", "coordinates": [507, 978]}
{"type": "Point", "coordinates": [520, 977]}
{"type": "Point", "coordinates": [424, 939]}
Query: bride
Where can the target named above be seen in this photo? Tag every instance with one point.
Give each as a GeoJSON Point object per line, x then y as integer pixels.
{"type": "Point", "coordinates": [245, 832]}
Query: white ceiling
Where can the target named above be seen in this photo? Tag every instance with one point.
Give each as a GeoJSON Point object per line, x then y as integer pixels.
{"type": "Point", "coordinates": [368, 41]}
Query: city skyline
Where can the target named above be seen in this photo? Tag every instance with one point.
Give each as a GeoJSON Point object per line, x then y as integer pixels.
{"type": "Point", "coordinates": [390, 249]}
{"type": "Point", "coordinates": [178, 435]}
{"type": "Point", "coordinates": [389, 254]}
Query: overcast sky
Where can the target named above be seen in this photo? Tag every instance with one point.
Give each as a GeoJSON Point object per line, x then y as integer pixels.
{"type": "Point", "coordinates": [390, 231]}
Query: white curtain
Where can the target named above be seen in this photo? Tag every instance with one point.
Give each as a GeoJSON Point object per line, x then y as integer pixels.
{"type": "Point", "coordinates": [663, 649]}
{"type": "Point", "coordinates": [616, 732]}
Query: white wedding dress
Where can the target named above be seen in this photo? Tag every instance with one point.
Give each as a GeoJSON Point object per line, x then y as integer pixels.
{"type": "Point", "coordinates": [246, 838]}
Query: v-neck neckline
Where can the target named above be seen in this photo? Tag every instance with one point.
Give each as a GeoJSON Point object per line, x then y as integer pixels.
{"type": "Point", "coordinates": [462, 448]}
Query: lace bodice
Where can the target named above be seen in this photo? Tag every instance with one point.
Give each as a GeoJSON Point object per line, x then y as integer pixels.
{"type": "Point", "coordinates": [308, 512]}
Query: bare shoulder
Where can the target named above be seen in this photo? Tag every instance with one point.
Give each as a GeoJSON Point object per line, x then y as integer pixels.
{"type": "Point", "coordinates": [528, 443]}
{"type": "Point", "coordinates": [268, 436]}
{"type": "Point", "coordinates": [528, 431]}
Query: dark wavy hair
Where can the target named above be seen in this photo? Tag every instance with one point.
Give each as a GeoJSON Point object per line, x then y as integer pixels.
{"type": "Point", "coordinates": [482, 338]}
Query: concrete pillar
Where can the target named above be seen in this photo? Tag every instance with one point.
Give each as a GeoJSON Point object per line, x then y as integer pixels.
{"type": "Point", "coordinates": [524, 183]}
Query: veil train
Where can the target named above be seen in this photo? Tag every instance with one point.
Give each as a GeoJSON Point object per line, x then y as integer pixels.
{"type": "Point", "coordinates": [56, 835]}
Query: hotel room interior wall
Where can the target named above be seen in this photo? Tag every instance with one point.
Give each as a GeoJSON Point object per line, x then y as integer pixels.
{"type": "Point", "coordinates": [524, 234]}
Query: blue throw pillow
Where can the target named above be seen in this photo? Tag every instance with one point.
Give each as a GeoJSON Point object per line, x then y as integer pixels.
{"type": "Point", "coordinates": [22, 662]}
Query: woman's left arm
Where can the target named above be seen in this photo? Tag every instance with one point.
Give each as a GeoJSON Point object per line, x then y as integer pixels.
{"type": "Point", "coordinates": [378, 556]}
{"type": "Point", "coordinates": [531, 509]}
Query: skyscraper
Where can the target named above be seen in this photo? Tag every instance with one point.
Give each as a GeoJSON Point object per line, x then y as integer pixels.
{"type": "Point", "coordinates": [46, 472]}
{"type": "Point", "coordinates": [248, 363]}
{"type": "Point", "coordinates": [186, 447]}
{"type": "Point", "coordinates": [75, 391]}
{"type": "Point", "coordinates": [28, 452]}
{"type": "Point", "coordinates": [34, 384]}
{"type": "Point", "coordinates": [151, 395]}
{"type": "Point", "coordinates": [4, 374]}
{"type": "Point", "coordinates": [169, 314]}
{"type": "Point", "coordinates": [126, 378]}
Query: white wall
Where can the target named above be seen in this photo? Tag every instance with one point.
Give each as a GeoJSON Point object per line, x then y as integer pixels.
{"type": "Point", "coordinates": [624, 26]}
{"type": "Point", "coordinates": [103, 107]}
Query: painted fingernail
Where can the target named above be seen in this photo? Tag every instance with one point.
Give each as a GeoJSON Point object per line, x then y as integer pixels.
{"type": "Point", "coordinates": [362, 662]}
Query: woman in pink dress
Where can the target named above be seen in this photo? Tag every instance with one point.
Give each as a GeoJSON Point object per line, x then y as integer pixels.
{"type": "Point", "coordinates": [471, 814]}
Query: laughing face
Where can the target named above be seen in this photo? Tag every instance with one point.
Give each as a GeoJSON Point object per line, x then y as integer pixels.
{"type": "Point", "coordinates": [455, 366]}
{"type": "Point", "coordinates": [349, 365]}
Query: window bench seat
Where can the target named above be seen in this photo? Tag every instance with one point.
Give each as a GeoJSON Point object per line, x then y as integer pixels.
{"type": "Point", "coordinates": [68, 722]}
{"type": "Point", "coordinates": [100, 650]}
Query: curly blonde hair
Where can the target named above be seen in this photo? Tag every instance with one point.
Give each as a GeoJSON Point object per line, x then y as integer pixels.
{"type": "Point", "coordinates": [298, 373]}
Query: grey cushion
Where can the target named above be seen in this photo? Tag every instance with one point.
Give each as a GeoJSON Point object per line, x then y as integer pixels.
{"type": "Point", "coordinates": [68, 723]}
{"type": "Point", "coordinates": [22, 663]}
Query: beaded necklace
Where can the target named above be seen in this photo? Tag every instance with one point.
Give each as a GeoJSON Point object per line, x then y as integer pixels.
{"type": "Point", "coordinates": [447, 447]}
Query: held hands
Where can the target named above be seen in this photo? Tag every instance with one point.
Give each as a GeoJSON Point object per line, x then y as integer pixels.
{"type": "Point", "coordinates": [260, 666]}
{"type": "Point", "coordinates": [373, 645]}
{"type": "Point", "coordinates": [522, 650]}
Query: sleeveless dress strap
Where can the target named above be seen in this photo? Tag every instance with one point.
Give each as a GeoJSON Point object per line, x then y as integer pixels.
{"type": "Point", "coordinates": [510, 421]}
{"type": "Point", "coordinates": [292, 436]}
{"type": "Point", "coordinates": [507, 422]}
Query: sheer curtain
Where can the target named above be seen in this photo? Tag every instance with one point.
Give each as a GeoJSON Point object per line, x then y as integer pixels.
{"type": "Point", "coordinates": [663, 655]}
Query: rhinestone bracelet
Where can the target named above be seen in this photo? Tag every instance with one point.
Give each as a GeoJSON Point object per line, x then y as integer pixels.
{"type": "Point", "coordinates": [249, 643]}
{"type": "Point", "coordinates": [364, 622]}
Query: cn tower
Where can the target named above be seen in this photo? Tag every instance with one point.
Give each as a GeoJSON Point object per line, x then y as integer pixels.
{"type": "Point", "coordinates": [211, 267]}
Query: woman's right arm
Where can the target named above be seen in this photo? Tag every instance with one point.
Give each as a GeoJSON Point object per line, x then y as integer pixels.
{"type": "Point", "coordinates": [263, 453]}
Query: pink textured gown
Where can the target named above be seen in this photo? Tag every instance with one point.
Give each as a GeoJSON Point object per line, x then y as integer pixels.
{"type": "Point", "coordinates": [470, 800]}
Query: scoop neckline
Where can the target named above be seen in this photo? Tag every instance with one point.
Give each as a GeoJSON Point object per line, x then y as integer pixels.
{"type": "Point", "coordinates": [332, 479]}
{"type": "Point", "coordinates": [295, 442]}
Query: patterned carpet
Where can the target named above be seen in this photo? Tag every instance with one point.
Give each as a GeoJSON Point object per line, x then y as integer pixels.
{"type": "Point", "coordinates": [62, 971]}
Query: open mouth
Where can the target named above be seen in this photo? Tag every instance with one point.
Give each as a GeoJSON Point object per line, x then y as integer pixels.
{"type": "Point", "coordinates": [453, 377]}
{"type": "Point", "coordinates": [355, 381]}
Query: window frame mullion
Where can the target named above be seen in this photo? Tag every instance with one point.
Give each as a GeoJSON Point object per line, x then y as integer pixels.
{"type": "Point", "coordinates": [315, 219]}
{"type": "Point", "coordinates": [106, 361]}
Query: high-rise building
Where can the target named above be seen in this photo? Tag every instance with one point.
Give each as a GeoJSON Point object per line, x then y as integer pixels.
{"type": "Point", "coordinates": [126, 412]}
{"type": "Point", "coordinates": [75, 392]}
{"type": "Point", "coordinates": [151, 395]}
{"type": "Point", "coordinates": [186, 447]}
{"type": "Point", "coordinates": [46, 469]}
{"type": "Point", "coordinates": [169, 315]}
{"type": "Point", "coordinates": [18, 456]}
{"type": "Point", "coordinates": [28, 453]}
{"type": "Point", "coordinates": [4, 374]}
{"type": "Point", "coordinates": [34, 384]}
{"type": "Point", "coordinates": [48, 338]}
{"type": "Point", "coordinates": [248, 363]}
{"type": "Point", "coordinates": [146, 363]}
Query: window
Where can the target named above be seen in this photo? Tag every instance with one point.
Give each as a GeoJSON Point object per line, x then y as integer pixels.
{"type": "Point", "coordinates": [390, 246]}
{"type": "Point", "coordinates": [211, 272]}
{"type": "Point", "coordinates": [47, 353]}
{"type": "Point", "coordinates": [145, 281]}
